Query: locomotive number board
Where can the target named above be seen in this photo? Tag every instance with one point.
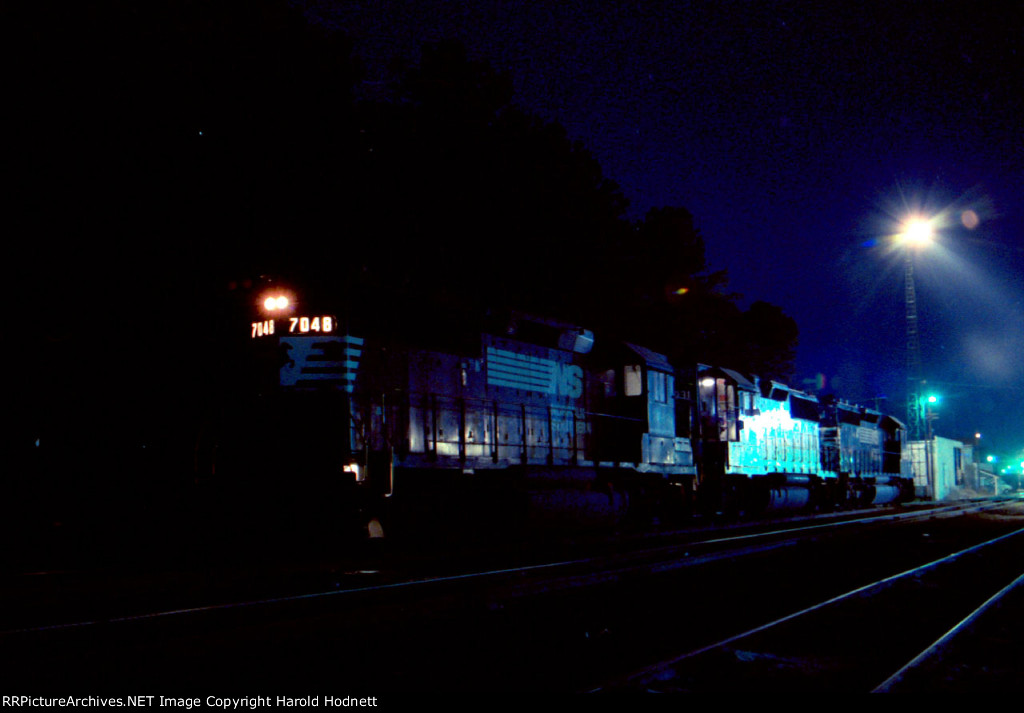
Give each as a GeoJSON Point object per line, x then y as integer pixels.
{"type": "Point", "coordinates": [316, 324]}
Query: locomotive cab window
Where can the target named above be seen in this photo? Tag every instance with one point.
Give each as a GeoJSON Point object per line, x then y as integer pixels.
{"type": "Point", "coordinates": [747, 403]}
{"type": "Point", "coordinates": [658, 385]}
{"type": "Point", "coordinates": [718, 409]}
{"type": "Point", "coordinates": [607, 381]}
{"type": "Point", "coordinates": [684, 416]}
{"type": "Point", "coordinates": [632, 380]}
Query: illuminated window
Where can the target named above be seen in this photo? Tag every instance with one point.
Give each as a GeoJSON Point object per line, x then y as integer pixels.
{"type": "Point", "coordinates": [633, 384]}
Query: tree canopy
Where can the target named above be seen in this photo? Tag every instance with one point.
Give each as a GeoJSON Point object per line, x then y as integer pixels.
{"type": "Point", "coordinates": [494, 207]}
{"type": "Point", "coordinates": [166, 150]}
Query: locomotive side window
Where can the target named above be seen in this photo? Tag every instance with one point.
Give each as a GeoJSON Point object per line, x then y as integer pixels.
{"type": "Point", "coordinates": [632, 380]}
{"type": "Point", "coordinates": [707, 395]}
{"type": "Point", "coordinates": [708, 415]}
{"type": "Point", "coordinates": [607, 381]}
{"type": "Point", "coordinates": [684, 415]}
{"type": "Point", "coordinates": [657, 382]}
{"type": "Point", "coordinates": [718, 405]}
{"type": "Point", "coordinates": [727, 411]}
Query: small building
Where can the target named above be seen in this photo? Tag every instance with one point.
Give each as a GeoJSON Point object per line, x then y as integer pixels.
{"type": "Point", "coordinates": [939, 468]}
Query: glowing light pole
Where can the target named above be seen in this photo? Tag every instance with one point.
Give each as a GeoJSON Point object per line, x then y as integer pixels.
{"type": "Point", "coordinates": [917, 234]}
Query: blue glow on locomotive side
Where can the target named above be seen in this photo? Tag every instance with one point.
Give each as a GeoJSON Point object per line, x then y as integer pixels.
{"type": "Point", "coordinates": [771, 440]}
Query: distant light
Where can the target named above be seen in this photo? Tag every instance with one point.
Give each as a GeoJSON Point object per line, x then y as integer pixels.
{"type": "Point", "coordinates": [682, 290]}
{"type": "Point", "coordinates": [977, 435]}
{"type": "Point", "coordinates": [273, 303]}
{"type": "Point", "coordinates": [991, 459]}
{"type": "Point", "coordinates": [707, 382]}
{"type": "Point", "coordinates": [933, 399]}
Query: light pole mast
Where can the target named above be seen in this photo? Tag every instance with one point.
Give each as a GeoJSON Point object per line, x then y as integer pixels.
{"type": "Point", "coordinates": [917, 234]}
{"type": "Point", "coordinates": [915, 422]}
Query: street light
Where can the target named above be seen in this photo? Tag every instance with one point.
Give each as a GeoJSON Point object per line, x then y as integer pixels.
{"type": "Point", "coordinates": [917, 233]}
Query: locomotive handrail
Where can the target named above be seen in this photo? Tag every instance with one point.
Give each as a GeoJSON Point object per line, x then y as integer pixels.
{"type": "Point", "coordinates": [615, 416]}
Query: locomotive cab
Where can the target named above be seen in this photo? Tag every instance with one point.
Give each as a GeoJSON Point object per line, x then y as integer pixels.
{"type": "Point", "coordinates": [634, 412]}
{"type": "Point", "coordinates": [758, 442]}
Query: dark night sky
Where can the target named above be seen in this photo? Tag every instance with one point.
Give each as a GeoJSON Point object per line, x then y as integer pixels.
{"type": "Point", "coordinates": [796, 134]}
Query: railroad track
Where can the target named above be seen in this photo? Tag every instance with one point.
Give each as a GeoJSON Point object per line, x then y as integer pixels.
{"type": "Point", "coordinates": [39, 600]}
{"type": "Point", "coordinates": [521, 626]}
{"type": "Point", "coordinates": [916, 630]}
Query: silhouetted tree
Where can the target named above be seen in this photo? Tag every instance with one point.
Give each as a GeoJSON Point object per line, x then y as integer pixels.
{"type": "Point", "coordinates": [664, 297]}
{"type": "Point", "coordinates": [163, 149]}
{"type": "Point", "coordinates": [769, 341]}
{"type": "Point", "coordinates": [478, 203]}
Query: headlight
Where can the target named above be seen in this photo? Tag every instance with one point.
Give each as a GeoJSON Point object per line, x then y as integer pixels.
{"type": "Point", "coordinates": [275, 303]}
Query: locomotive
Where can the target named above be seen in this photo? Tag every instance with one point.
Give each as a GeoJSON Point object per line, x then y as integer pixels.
{"type": "Point", "coordinates": [531, 419]}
